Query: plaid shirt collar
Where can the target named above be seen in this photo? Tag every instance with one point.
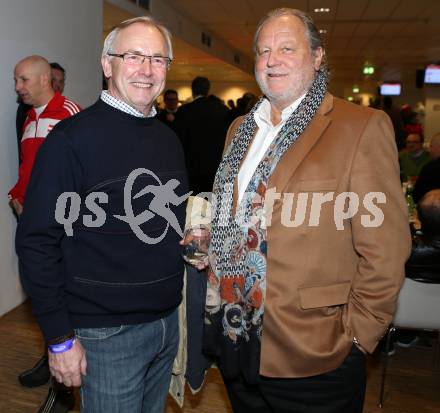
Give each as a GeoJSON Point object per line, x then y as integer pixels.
{"type": "Point", "coordinates": [125, 107]}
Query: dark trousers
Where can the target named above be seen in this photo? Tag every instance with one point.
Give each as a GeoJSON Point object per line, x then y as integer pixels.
{"type": "Point", "coordinates": [338, 391]}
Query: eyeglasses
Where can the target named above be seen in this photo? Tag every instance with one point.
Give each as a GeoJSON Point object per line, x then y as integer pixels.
{"type": "Point", "coordinates": [137, 59]}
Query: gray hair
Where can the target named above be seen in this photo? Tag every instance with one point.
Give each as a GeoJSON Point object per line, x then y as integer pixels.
{"type": "Point", "coordinates": [148, 20]}
{"type": "Point", "coordinates": [312, 32]}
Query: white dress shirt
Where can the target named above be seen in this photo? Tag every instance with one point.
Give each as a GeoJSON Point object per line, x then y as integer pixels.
{"type": "Point", "coordinates": [265, 135]}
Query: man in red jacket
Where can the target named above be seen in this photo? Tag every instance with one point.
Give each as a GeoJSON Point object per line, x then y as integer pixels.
{"type": "Point", "coordinates": [33, 84]}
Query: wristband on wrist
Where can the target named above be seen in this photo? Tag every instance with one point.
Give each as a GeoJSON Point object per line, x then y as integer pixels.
{"type": "Point", "coordinates": [61, 347]}
{"type": "Point", "coordinates": [61, 339]}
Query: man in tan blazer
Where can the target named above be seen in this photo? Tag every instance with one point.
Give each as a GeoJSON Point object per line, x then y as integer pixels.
{"type": "Point", "coordinates": [309, 232]}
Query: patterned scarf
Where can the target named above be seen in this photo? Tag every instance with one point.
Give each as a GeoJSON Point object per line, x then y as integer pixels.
{"type": "Point", "coordinates": [238, 251]}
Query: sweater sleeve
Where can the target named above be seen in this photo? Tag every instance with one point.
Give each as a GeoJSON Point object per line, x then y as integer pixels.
{"type": "Point", "coordinates": [39, 235]}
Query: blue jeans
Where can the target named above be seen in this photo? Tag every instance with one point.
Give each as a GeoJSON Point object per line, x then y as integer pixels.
{"type": "Point", "coordinates": [128, 367]}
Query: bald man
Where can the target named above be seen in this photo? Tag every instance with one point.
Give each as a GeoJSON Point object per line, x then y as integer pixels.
{"type": "Point", "coordinates": [429, 177]}
{"type": "Point", "coordinates": [58, 82]}
{"type": "Point", "coordinates": [33, 84]}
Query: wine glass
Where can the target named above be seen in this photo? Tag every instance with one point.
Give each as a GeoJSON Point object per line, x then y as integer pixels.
{"type": "Point", "coordinates": [196, 243]}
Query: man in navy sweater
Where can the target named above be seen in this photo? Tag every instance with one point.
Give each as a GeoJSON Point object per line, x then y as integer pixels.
{"type": "Point", "coordinates": [103, 268]}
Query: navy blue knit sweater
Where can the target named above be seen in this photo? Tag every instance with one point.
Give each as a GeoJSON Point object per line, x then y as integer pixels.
{"type": "Point", "coordinates": [103, 275]}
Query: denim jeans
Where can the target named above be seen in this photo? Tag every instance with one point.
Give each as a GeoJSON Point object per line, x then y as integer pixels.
{"type": "Point", "coordinates": [128, 367]}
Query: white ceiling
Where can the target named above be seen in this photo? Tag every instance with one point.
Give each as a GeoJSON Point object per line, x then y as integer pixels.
{"type": "Point", "coordinates": [188, 61]}
{"type": "Point", "coordinates": [396, 36]}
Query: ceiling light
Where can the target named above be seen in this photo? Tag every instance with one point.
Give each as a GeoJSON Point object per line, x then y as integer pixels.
{"type": "Point", "coordinates": [355, 89]}
{"type": "Point", "coordinates": [350, 99]}
{"type": "Point", "coordinates": [368, 69]}
{"type": "Point", "coordinates": [322, 31]}
{"type": "Point", "coordinates": [321, 10]}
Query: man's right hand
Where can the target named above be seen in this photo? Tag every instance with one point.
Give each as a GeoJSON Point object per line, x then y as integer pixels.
{"type": "Point", "coordinates": [68, 367]}
{"type": "Point", "coordinates": [200, 238]}
{"type": "Point", "coordinates": [16, 206]}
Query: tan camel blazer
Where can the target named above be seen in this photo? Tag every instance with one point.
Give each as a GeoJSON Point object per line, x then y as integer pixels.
{"type": "Point", "coordinates": [326, 285]}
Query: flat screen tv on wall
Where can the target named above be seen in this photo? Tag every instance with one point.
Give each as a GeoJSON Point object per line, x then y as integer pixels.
{"type": "Point", "coordinates": [390, 89]}
{"type": "Point", "coordinates": [432, 75]}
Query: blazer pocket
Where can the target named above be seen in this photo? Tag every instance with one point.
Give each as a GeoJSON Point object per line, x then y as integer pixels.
{"type": "Point", "coordinates": [324, 295]}
{"type": "Point", "coordinates": [324, 185]}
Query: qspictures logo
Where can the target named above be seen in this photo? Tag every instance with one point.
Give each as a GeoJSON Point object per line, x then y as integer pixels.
{"type": "Point", "coordinates": [68, 207]}
{"type": "Point", "coordinates": [346, 206]}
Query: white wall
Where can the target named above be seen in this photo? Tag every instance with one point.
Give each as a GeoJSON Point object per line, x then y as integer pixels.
{"type": "Point", "coordinates": [66, 31]}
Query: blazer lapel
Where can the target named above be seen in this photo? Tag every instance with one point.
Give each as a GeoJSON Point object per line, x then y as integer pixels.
{"type": "Point", "coordinates": [295, 154]}
{"type": "Point", "coordinates": [293, 157]}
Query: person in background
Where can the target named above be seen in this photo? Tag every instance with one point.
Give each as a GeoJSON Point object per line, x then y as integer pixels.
{"type": "Point", "coordinates": [414, 158]}
{"type": "Point", "coordinates": [58, 80]}
{"type": "Point", "coordinates": [58, 77]}
{"type": "Point", "coordinates": [424, 262]}
{"type": "Point", "coordinates": [396, 118]}
{"type": "Point", "coordinates": [250, 100]}
{"type": "Point", "coordinates": [33, 84]}
{"type": "Point", "coordinates": [429, 177]}
{"type": "Point", "coordinates": [244, 104]}
{"type": "Point", "coordinates": [231, 105]}
{"type": "Point", "coordinates": [104, 296]}
{"type": "Point", "coordinates": [168, 114]}
{"type": "Point", "coordinates": [411, 121]}
{"type": "Point", "coordinates": [293, 306]}
{"type": "Point", "coordinates": [201, 126]}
